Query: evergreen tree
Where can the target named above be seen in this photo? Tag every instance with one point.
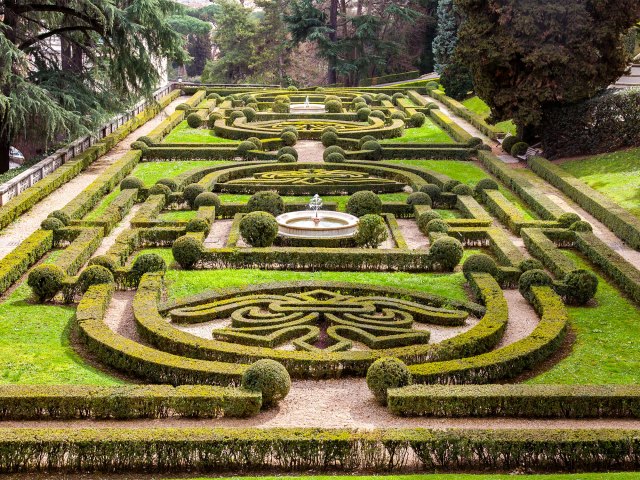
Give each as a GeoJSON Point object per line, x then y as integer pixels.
{"type": "Point", "coordinates": [444, 44]}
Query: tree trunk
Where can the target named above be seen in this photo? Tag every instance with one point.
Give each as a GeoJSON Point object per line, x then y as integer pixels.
{"type": "Point", "coordinates": [5, 145]}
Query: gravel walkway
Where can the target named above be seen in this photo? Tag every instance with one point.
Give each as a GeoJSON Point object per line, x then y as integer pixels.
{"type": "Point", "coordinates": [412, 235]}
{"type": "Point", "coordinates": [110, 240]}
{"type": "Point", "coordinates": [309, 151]}
{"type": "Point", "coordinates": [30, 221]}
{"type": "Point", "coordinates": [218, 234]}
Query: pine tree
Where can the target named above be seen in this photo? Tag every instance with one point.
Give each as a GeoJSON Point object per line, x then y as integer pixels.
{"type": "Point", "coordinates": [444, 44]}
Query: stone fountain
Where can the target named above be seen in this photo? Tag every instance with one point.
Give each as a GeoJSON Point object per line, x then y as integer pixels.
{"type": "Point", "coordinates": [306, 107]}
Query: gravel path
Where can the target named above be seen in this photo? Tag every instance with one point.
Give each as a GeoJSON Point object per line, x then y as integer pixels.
{"type": "Point", "coordinates": [309, 151]}
{"type": "Point", "coordinates": [523, 319]}
{"type": "Point", "coordinates": [119, 316]}
{"type": "Point", "coordinates": [218, 234]}
{"type": "Point", "coordinates": [110, 240]}
{"type": "Point", "coordinates": [412, 235]}
{"type": "Point", "coordinates": [30, 221]}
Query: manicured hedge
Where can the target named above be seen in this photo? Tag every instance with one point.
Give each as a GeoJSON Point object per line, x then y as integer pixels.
{"type": "Point", "coordinates": [16, 263]}
{"type": "Point", "coordinates": [113, 214]}
{"type": "Point", "coordinates": [544, 248]}
{"type": "Point", "coordinates": [530, 401]}
{"type": "Point", "coordinates": [454, 130]}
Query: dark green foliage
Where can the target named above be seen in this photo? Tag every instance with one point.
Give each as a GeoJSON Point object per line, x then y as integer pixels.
{"type": "Point", "coordinates": [437, 225]}
{"type": "Point", "coordinates": [139, 146]}
{"type": "Point", "coordinates": [169, 182]}
{"type": "Point", "coordinates": [365, 139]}
{"type": "Point", "coordinates": [425, 218]}
{"type": "Point", "coordinates": [462, 189]}
{"type": "Point", "coordinates": [579, 286]}
{"type": "Point", "coordinates": [287, 151]}
{"type": "Point", "coordinates": [51, 223]}
{"type": "Point", "coordinates": [329, 138]}
{"type": "Point", "coordinates": [256, 141]}
{"type": "Point", "coordinates": [519, 149]}
{"type": "Point", "coordinates": [183, 107]}
{"type": "Point", "coordinates": [160, 189]}
{"type": "Point", "coordinates": [213, 118]}
{"type": "Point", "coordinates": [146, 263]}
{"type": "Point", "coordinates": [456, 80]}
{"type": "Point", "coordinates": [530, 264]}
{"type": "Point", "coordinates": [245, 148]}
{"type": "Point", "coordinates": [372, 231]}
{"type": "Point", "coordinates": [187, 251]}
{"type": "Point", "coordinates": [130, 183]}
{"type": "Point", "coordinates": [207, 199]}
{"type": "Point", "coordinates": [335, 157]}
{"type": "Point", "coordinates": [194, 120]}
{"type": "Point", "coordinates": [486, 184]}
{"type": "Point", "coordinates": [375, 148]}
{"type": "Point", "coordinates": [105, 261]}
{"type": "Point", "coordinates": [62, 216]}
{"type": "Point", "coordinates": [378, 114]}
{"type": "Point", "coordinates": [446, 252]}
{"type": "Point", "coordinates": [398, 115]}
{"type": "Point", "coordinates": [191, 192]}
{"type": "Point", "coordinates": [449, 185]}
{"type": "Point", "coordinates": [567, 219]}
{"type": "Point", "coordinates": [45, 281]}
{"type": "Point", "coordinates": [94, 275]}
{"type": "Point", "coordinates": [581, 226]}
{"type": "Point", "coordinates": [333, 149]}
{"type": "Point", "coordinates": [198, 225]}
{"type": "Point", "coordinates": [385, 373]}
{"type": "Point", "coordinates": [432, 190]}
{"type": "Point", "coordinates": [479, 263]}
{"type": "Point", "coordinates": [509, 142]}
{"type": "Point", "coordinates": [363, 114]}
{"type": "Point", "coordinates": [259, 229]}
{"type": "Point", "coordinates": [291, 129]}
{"type": "Point", "coordinates": [532, 278]}
{"type": "Point", "coordinates": [397, 96]}
{"type": "Point", "coordinates": [417, 120]}
{"type": "Point", "coordinates": [270, 202]}
{"type": "Point", "coordinates": [333, 106]}
{"type": "Point", "coordinates": [250, 113]}
{"type": "Point", "coordinates": [270, 378]}
{"type": "Point", "coordinates": [330, 128]}
{"type": "Point", "coordinates": [419, 198]}
{"type": "Point", "coordinates": [363, 203]}
{"type": "Point", "coordinates": [236, 114]}
{"type": "Point", "coordinates": [289, 138]}
{"type": "Point", "coordinates": [287, 158]}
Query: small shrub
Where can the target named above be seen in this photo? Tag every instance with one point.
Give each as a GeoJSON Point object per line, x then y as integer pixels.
{"type": "Point", "coordinates": [191, 192]}
{"type": "Point", "coordinates": [363, 114]}
{"type": "Point", "coordinates": [357, 100]}
{"type": "Point", "coordinates": [291, 129]}
{"type": "Point", "coordinates": [386, 373]}
{"type": "Point", "coordinates": [437, 225]}
{"type": "Point", "coordinates": [581, 226]}
{"type": "Point", "coordinates": [333, 106]}
{"type": "Point", "coordinates": [287, 158]}
{"type": "Point", "coordinates": [335, 158]}
{"type": "Point", "coordinates": [130, 183]}
{"type": "Point", "coordinates": [372, 231]}
{"type": "Point", "coordinates": [432, 85]}
{"type": "Point", "coordinates": [579, 286]}
{"type": "Point", "coordinates": [146, 263]}
{"type": "Point", "coordinates": [486, 184]}
{"type": "Point", "coordinates": [280, 107]}
{"type": "Point", "coordinates": [329, 138]}
{"type": "Point", "coordinates": [94, 275]}
{"type": "Point", "coordinates": [398, 116]}
{"type": "Point", "coordinates": [245, 148]}
{"type": "Point", "coordinates": [289, 138]}
{"type": "Point", "coordinates": [479, 263]}
{"type": "Point", "coordinates": [365, 139]}
{"type": "Point", "coordinates": [532, 278]}
{"type": "Point", "coordinates": [183, 106]}
{"type": "Point", "coordinates": [333, 149]}
{"type": "Point", "coordinates": [287, 151]}
{"type": "Point", "coordinates": [568, 218]}
{"type": "Point", "coordinates": [475, 142]}
{"type": "Point", "coordinates": [292, 88]}
{"type": "Point", "coordinates": [256, 141]}
{"type": "Point", "coordinates": [446, 252]}
{"type": "Point", "coordinates": [250, 113]}
{"type": "Point", "coordinates": [530, 264]}
{"type": "Point", "coordinates": [170, 183]}
{"type": "Point", "coordinates": [509, 142]}
{"type": "Point", "coordinates": [267, 201]}
{"type": "Point", "coordinates": [375, 148]}
{"type": "Point", "coordinates": [51, 223]}
{"type": "Point", "coordinates": [145, 139]}
{"type": "Point", "coordinates": [187, 251]}
{"type": "Point", "coordinates": [207, 199]}
{"type": "Point", "coordinates": [259, 229]}
{"type": "Point", "coordinates": [236, 114]}
{"type": "Point", "coordinates": [383, 97]}
{"type": "Point", "coordinates": [462, 189]}
{"type": "Point", "coordinates": [105, 261]}
{"type": "Point", "coordinates": [198, 225]}
{"type": "Point", "coordinates": [449, 185]}
{"type": "Point", "coordinates": [417, 120]}
{"type": "Point", "coordinates": [213, 118]}
{"type": "Point", "coordinates": [194, 120]}
{"type": "Point", "coordinates": [364, 203]}
{"type": "Point", "coordinates": [397, 96]}
{"type": "Point", "coordinates": [270, 378]}
{"type": "Point", "coordinates": [425, 218]}
{"type": "Point", "coordinates": [46, 281]}
{"type": "Point", "coordinates": [519, 149]}
{"type": "Point", "coordinates": [378, 114]}
{"type": "Point", "coordinates": [432, 190]}
{"type": "Point", "coordinates": [160, 189]}
{"type": "Point", "coordinates": [419, 198]}
{"type": "Point", "coordinates": [139, 146]}
{"type": "Point", "coordinates": [329, 129]}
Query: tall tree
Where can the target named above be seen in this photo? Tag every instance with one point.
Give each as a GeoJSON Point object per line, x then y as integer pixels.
{"type": "Point", "coordinates": [110, 55]}
{"type": "Point", "coordinates": [444, 44]}
{"type": "Point", "coordinates": [197, 36]}
{"type": "Point", "coordinates": [529, 56]}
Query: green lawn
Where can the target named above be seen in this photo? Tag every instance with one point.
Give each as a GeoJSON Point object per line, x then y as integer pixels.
{"type": "Point", "coordinates": [151, 172]}
{"type": "Point", "coordinates": [606, 348]}
{"type": "Point", "coordinates": [183, 133]}
{"type": "Point", "coordinates": [428, 133]}
{"type": "Point", "coordinates": [97, 212]}
{"type": "Point", "coordinates": [173, 215]}
{"type": "Point", "coordinates": [616, 175]}
{"type": "Point", "coordinates": [457, 476]}
{"type": "Point", "coordinates": [341, 200]}
{"type": "Point", "coordinates": [479, 107]}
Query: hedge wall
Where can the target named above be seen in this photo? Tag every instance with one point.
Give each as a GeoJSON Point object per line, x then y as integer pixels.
{"type": "Point", "coordinates": [30, 250]}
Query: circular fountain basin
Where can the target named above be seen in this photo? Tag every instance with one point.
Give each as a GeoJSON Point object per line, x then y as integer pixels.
{"type": "Point", "coordinates": [302, 224]}
{"type": "Point", "coordinates": [303, 108]}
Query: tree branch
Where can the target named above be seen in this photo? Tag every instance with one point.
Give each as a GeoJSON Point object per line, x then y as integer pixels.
{"type": "Point", "coordinates": [43, 36]}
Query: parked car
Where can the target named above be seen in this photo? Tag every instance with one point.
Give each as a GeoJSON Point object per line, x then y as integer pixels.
{"type": "Point", "coordinates": [15, 155]}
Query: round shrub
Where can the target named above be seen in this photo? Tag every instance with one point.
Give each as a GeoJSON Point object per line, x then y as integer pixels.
{"type": "Point", "coordinates": [398, 116]}
{"type": "Point", "coordinates": [449, 185]}
{"type": "Point", "coordinates": [292, 88]}
{"type": "Point", "coordinates": [139, 146]}
{"type": "Point", "coordinates": [270, 378]}
{"type": "Point", "coordinates": [383, 97]}
{"type": "Point", "coordinates": [530, 264]}
{"type": "Point", "coordinates": [146, 263]}
{"type": "Point", "coordinates": [214, 96]}
{"type": "Point", "coordinates": [366, 97]}
{"type": "Point", "coordinates": [532, 278]}
{"type": "Point", "coordinates": [335, 158]}
{"type": "Point", "coordinates": [320, 89]}
{"type": "Point", "coordinates": [259, 229]}
{"type": "Point", "coordinates": [289, 138]}
{"type": "Point", "coordinates": [329, 138]}
{"type": "Point", "coordinates": [267, 201]}
{"type": "Point", "coordinates": [207, 199]}
{"type": "Point", "coordinates": [106, 261]}
{"type": "Point", "coordinates": [365, 139]}
{"type": "Point", "coordinates": [372, 231]}
{"type": "Point", "coordinates": [519, 149]}
{"type": "Point", "coordinates": [357, 100]}
{"type": "Point", "coordinates": [378, 114]}
{"type": "Point", "coordinates": [145, 139]}
{"type": "Point", "coordinates": [333, 149]}
{"type": "Point", "coordinates": [46, 281]}
{"type": "Point", "coordinates": [425, 218]}
{"type": "Point", "coordinates": [191, 192]}
{"type": "Point", "coordinates": [170, 183]}
{"type": "Point", "coordinates": [183, 106]}
{"type": "Point", "coordinates": [287, 158]}
{"type": "Point", "coordinates": [51, 223]}
{"type": "Point", "coordinates": [419, 198]}
{"type": "Point", "coordinates": [479, 263]}
{"type": "Point", "coordinates": [160, 189]}
{"type": "Point", "coordinates": [364, 203]}
{"type": "Point", "coordinates": [475, 142]}
{"type": "Point", "coordinates": [462, 189]}
{"type": "Point", "coordinates": [486, 184]}
{"type": "Point", "coordinates": [250, 113]}
{"type": "Point", "coordinates": [194, 120]}
{"type": "Point", "coordinates": [358, 106]}
{"type": "Point", "coordinates": [245, 148]}
{"type": "Point", "coordinates": [386, 373]}
{"type": "Point", "coordinates": [60, 215]}
{"type": "Point", "coordinates": [417, 119]}
{"type": "Point", "coordinates": [236, 114]}
{"type": "Point", "coordinates": [580, 286]}
{"type": "Point", "coordinates": [287, 151]}
{"type": "Point", "coordinates": [437, 225]}
{"type": "Point", "coordinates": [509, 142]}
{"type": "Point", "coordinates": [432, 190]}
{"type": "Point", "coordinates": [280, 107]}
{"type": "Point", "coordinates": [283, 99]}
{"type": "Point", "coordinates": [94, 275]}
{"type": "Point", "coordinates": [363, 114]}
{"type": "Point", "coordinates": [213, 118]}
{"type": "Point", "coordinates": [568, 218]}
{"type": "Point", "coordinates": [198, 225]}
{"type": "Point", "coordinates": [291, 129]}
{"type": "Point", "coordinates": [333, 106]}
{"type": "Point", "coordinates": [186, 251]}
{"type": "Point", "coordinates": [329, 129]}
{"type": "Point", "coordinates": [256, 141]}
{"type": "Point", "coordinates": [397, 96]}
{"type": "Point", "coordinates": [130, 183]}
{"type": "Point", "coordinates": [374, 147]}
{"type": "Point", "coordinates": [446, 252]}
{"type": "Point", "coordinates": [581, 226]}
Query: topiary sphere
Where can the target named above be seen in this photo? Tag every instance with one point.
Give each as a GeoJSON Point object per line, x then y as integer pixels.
{"type": "Point", "coordinates": [283, 99]}
{"type": "Point", "coordinates": [194, 120]}
{"type": "Point", "coordinates": [256, 141]}
{"type": "Point", "coordinates": [378, 114]}
{"type": "Point", "coordinates": [291, 129]}
{"type": "Point", "coordinates": [198, 225]}
{"type": "Point", "coordinates": [357, 100]}
{"type": "Point", "coordinates": [462, 189]}
{"type": "Point", "coordinates": [581, 226]}
{"type": "Point", "coordinates": [187, 251]}
{"type": "Point", "coordinates": [145, 139]}
{"type": "Point", "coordinates": [383, 97]}
{"type": "Point", "coordinates": [259, 229]}
{"type": "Point", "coordinates": [52, 224]}
{"type": "Point", "coordinates": [365, 139]}
{"type": "Point", "coordinates": [333, 149]}
{"type": "Point", "coordinates": [449, 185]}
{"type": "Point", "coordinates": [519, 149]}
{"type": "Point", "coordinates": [398, 116]}
{"type": "Point", "coordinates": [169, 183]}
{"type": "Point", "coordinates": [94, 275]}
{"type": "Point", "coordinates": [509, 142]}
{"type": "Point", "coordinates": [333, 106]}
{"type": "Point", "coordinates": [329, 129]}
{"type": "Point", "coordinates": [280, 107]}
{"type": "Point", "coordinates": [446, 252]}
{"type": "Point", "coordinates": [213, 96]}
{"type": "Point", "coordinates": [46, 281]}
{"type": "Point", "coordinates": [486, 184]}
{"type": "Point", "coordinates": [374, 147]}
{"type": "Point", "coordinates": [367, 98]}
{"type": "Point", "coordinates": [567, 219]}
{"type": "Point", "coordinates": [207, 199]}
{"type": "Point", "coordinates": [236, 114]}
{"type": "Point", "coordinates": [397, 96]}
{"type": "Point", "coordinates": [183, 106]}
{"type": "Point", "coordinates": [139, 146]}
{"type": "Point", "coordinates": [335, 158]}
{"type": "Point", "coordinates": [267, 201]}
{"type": "Point", "coordinates": [62, 216]}
{"type": "Point", "coordinates": [146, 263]}
{"type": "Point", "coordinates": [419, 198]}
{"type": "Point", "coordinates": [245, 148]}
{"type": "Point", "coordinates": [532, 278]}
{"type": "Point", "coordinates": [425, 218]}
{"type": "Point", "coordinates": [530, 264]}
{"type": "Point", "coordinates": [372, 231]}
{"type": "Point", "coordinates": [437, 225]}
{"type": "Point", "coordinates": [270, 378]}
{"type": "Point", "coordinates": [364, 203]}
{"type": "Point", "coordinates": [386, 373]}
{"type": "Point", "coordinates": [432, 85]}
{"type": "Point", "coordinates": [191, 192]}
{"type": "Point", "coordinates": [106, 261]}
{"type": "Point", "coordinates": [213, 118]}
{"type": "Point", "coordinates": [580, 286]}
{"type": "Point", "coordinates": [287, 158]}
{"type": "Point", "coordinates": [292, 88]}
{"type": "Point", "coordinates": [131, 183]}
{"type": "Point", "coordinates": [432, 190]}
{"type": "Point", "coordinates": [289, 138]}
{"type": "Point", "coordinates": [475, 142]}
{"type": "Point", "coordinates": [358, 106]}
{"type": "Point", "coordinates": [159, 189]}
{"type": "Point", "coordinates": [329, 138]}
{"type": "Point", "coordinates": [417, 120]}
{"type": "Point", "coordinates": [250, 113]}
{"type": "Point", "coordinates": [287, 151]}
{"type": "Point", "coordinates": [363, 114]}
{"type": "Point", "coordinates": [479, 263]}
